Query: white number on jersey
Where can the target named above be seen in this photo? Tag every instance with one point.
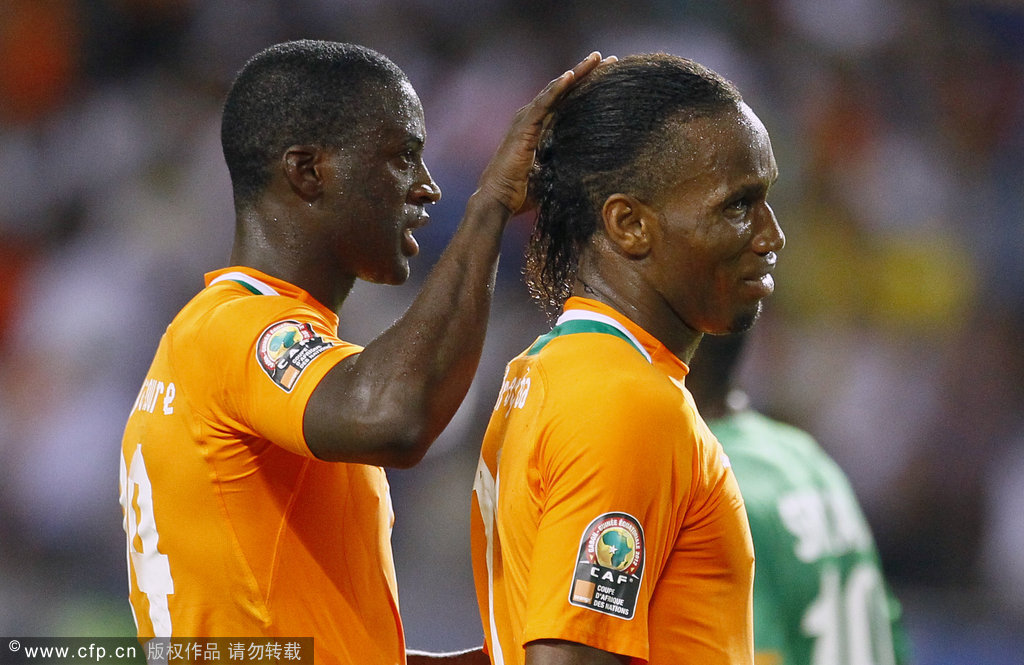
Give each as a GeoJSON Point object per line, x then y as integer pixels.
{"type": "Point", "coordinates": [152, 567]}
{"type": "Point", "coordinates": [485, 487]}
{"type": "Point", "coordinates": [850, 622]}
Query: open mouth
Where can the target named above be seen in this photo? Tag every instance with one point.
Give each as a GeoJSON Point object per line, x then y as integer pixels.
{"type": "Point", "coordinates": [409, 245]}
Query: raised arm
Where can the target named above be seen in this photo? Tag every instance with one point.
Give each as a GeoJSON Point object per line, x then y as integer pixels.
{"type": "Point", "coordinates": [387, 404]}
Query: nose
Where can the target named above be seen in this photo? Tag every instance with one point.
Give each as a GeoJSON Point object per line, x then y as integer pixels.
{"type": "Point", "coordinates": [770, 237]}
{"type": "Point", "coordinates": [425, 190]}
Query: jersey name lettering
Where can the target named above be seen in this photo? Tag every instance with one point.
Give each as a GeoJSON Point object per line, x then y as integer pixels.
{"type": "Point", "coordinates": [150, 396]}
{"type": "Point", "coordinates": [513, 392]}
{"type": "Point", "coordinates": [824, 524]}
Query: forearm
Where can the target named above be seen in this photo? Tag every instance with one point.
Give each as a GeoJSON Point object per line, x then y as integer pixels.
{"type": "Point", "coordinates": [425, 362]}
{"type": "Point", "coordinates": [470, 657]}
{"type": "Point", "coordinates": [448, 319]}
{"type": "Point", "coordinates": [387, 404]}
{"type": "Point", "coordinates": [390, 402]}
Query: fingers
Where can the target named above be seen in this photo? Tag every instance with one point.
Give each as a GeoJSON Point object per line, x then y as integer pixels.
{"type": "Point", "coordinates": [535, 112]}
{"type": "Point", "coordinates": [589, 64]}
{"type": "Point", "coordinates": [563, 83]}
{"type": "Point", "coordinates": [505, 177]}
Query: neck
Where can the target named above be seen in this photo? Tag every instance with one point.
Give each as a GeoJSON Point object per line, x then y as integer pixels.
{"type": "Point", "coordinates": [253, 251]}
{"type": "Point", "coordinates": [656, 318]}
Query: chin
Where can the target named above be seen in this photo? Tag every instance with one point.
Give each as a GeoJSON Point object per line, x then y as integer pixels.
{"type": "Point", "coordinates": [745, 321]}
{"type": "Point", "coordinates": [396, 276]}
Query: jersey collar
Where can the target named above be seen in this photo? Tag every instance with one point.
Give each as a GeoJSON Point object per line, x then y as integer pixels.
{"type": "Point", "coordinates": [260, 283]}
{"type": "Point", "coordinates": [257, 286]}
{"type": "Point", "coordinates": [583, 321]}
{"type": "Point", "coordinates": [577, 308]}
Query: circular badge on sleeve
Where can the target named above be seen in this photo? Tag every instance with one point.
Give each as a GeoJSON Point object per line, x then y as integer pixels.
{"type": "Point", "coordinates": [610, 566]}
{"type": "Point", "coordinates": [286, 348]}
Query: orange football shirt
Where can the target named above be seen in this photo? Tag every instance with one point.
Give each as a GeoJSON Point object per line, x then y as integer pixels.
{"type": "Point", "coordinates": [604, 510]}
{"type": "Point", "coordinates": [234, 528]}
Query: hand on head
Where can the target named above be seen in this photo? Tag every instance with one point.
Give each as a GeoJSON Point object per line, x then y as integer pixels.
{"type": "Point", "coordinates": [505, 177]}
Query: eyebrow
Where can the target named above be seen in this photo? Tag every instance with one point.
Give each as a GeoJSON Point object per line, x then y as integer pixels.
{"type": "Point", "coordinates": [401, 143]}
{"type": "Point", "coordinates": [757, 188]}
{"type": "Point", "coordinates": [412, 141]}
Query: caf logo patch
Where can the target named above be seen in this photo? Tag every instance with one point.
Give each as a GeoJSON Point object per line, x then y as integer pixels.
{"type": "Point", "coordinates": [286, 348]}
{"type": "Point", "coordinates": [610, 566]}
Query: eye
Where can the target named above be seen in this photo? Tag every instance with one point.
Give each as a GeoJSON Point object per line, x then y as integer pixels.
{"type": "Point", "coordinates": [738, 207]}
{"type": "Point", "coordinates": [410, 158]}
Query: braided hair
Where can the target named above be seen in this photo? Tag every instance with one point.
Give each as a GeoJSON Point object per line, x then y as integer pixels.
{"type": "Point", "coordinates": [610, 134]}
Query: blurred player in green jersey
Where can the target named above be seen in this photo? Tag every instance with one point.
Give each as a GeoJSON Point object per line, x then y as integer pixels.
{"type": "Point", "coordinates": [820, 597]}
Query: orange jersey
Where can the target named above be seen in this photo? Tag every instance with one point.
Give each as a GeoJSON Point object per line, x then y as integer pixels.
{"type": "Point", "coordinates": [234, 528]}
{"type": "Point", "coordinates": [604, 511]}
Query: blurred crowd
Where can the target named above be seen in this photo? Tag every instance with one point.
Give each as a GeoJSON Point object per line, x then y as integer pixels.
{"type": "Point", "coordinates": [893, 337]}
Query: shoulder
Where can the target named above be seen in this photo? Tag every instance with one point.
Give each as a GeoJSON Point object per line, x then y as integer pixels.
{"type": "Point", "coordinates": [222, 326]}
{"type": "Point", "coordinates": [766, 455]}
{"type": "Point", "coordinates": [603, 401]}
{"type": "Point", "coordinates": [602, 371]}
{"type": "Point", "coordinates": [222, 313]}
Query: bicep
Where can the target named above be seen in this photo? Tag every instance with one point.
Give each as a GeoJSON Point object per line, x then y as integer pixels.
{"type": "Point", "coordinates": [346, 419]}
{"type": "Point", "coordinates": [606, 486]}
{"type": "Point", "coordinates": [560, 652]}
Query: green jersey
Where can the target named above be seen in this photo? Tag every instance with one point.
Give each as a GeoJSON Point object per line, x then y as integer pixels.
{"type": "Point", "coordinates": [820, 597]}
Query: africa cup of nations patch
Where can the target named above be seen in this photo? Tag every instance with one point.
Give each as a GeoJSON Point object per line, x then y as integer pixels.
{"type": "Point", "coordinates": [610, 566]}
{"type": "Point", "coordinates": [286, 348]}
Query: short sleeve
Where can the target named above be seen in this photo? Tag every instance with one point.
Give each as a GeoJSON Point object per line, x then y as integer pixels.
{"type": "Point", "coordinates": [609, 464]}
{"type": "Point", "coordinates": [270, 354]}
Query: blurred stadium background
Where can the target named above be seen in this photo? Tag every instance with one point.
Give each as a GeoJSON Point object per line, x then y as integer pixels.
{"type": "Point", "coordinates": [894, 336]}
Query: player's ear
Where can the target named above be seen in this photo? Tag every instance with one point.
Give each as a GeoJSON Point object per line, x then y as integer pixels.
{"type": "Point", "coordinates": [303, 168]}
{"type": "Point", "coordinates": [628, 224]}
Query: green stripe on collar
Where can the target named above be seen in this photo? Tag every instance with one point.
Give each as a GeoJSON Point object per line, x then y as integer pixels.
{"type": "Point", "coordinates": [248, 286]}
{"type": "Point", "coordinates": [580, 326]}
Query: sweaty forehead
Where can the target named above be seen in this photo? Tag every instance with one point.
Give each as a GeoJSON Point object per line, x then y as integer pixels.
{"type": "Point", "coordinates": [734, 143]}
{"type": "Point", "coordinates": [393, 113]}
{"type": "Point", "coordinates": [401, 97]}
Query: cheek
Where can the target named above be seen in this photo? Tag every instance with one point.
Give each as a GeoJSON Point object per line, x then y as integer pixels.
{"type": "Point", "coordinates": [715, 267]}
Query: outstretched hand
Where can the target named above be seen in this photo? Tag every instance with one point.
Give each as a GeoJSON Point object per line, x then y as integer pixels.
{"type": "Point", "coordinates": [506, 176]}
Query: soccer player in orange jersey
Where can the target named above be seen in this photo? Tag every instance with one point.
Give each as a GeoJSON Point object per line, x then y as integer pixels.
{"type": "Point", "coordinates": [607, 524]}
{"type": "Point", "coordinates": [251, 483]}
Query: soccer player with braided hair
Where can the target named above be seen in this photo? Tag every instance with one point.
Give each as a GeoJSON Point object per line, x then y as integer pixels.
{"type": "Point", "coordinates": [607, 524]}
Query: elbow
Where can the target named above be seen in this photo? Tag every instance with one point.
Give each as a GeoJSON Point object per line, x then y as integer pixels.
{"type": "Point", "coordinates": [401, 445]}
{"type": "Point", "coordinates": [402, 442]}
{"type": "Point", "coordinates": [405, 455]}
{"type": "Point", "coordinates": [396, 443]}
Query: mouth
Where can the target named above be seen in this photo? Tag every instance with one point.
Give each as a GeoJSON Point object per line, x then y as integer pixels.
{"type": "Point", "coordinates": [762, 286]}
{"type": "Point", "coordinates": [761, 282]}
{"type": "Point", "coordinates": [410, 247]}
